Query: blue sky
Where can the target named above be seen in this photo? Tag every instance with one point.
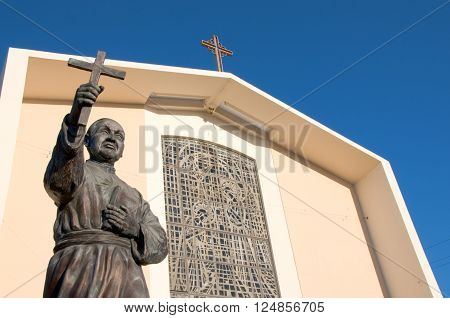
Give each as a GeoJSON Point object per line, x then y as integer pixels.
{"type": "Point", "coordinates": [394, 102]}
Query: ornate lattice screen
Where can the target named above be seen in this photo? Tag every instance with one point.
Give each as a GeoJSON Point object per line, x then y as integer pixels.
{"type": "Point", "coordinates": [218, 239]}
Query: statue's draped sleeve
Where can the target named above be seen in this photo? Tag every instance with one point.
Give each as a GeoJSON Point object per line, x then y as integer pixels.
{"type": "Point", "coordinates": [150, 247]}
{"type": "Point", "coordinates": [65, 170]}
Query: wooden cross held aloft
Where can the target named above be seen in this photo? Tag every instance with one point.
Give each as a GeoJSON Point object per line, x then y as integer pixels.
{"type": "Point", "coordinates": [97, 68]}
{"type": "Point", "coordinates": [214, 46]}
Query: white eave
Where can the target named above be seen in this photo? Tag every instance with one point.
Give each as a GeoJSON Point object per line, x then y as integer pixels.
{"type": "Point", "coordinates": [323, 147]}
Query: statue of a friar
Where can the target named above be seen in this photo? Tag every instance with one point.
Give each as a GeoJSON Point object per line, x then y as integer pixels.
{"type": "Point", "coordinates": [104, 229]}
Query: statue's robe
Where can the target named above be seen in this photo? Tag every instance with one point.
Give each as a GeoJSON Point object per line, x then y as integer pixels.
{"type": "Point", "coordinates": [90, 260]}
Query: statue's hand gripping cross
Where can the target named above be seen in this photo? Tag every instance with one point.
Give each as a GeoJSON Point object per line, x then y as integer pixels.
{"type": "Point", "coordinates": [97, 68]}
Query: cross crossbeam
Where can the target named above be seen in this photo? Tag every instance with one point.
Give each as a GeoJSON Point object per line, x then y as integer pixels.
{"type": "Point", "coordinates": [214, 46]}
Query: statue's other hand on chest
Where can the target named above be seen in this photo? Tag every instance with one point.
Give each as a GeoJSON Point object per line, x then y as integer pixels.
{"type": "Point", "coordinates": [121, 220]}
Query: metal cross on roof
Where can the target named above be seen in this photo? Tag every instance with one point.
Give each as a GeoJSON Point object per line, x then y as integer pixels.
{"type": "Point", "coordinates": [214, 46]}
{"type": "Point", "coordinates": [98, 69]}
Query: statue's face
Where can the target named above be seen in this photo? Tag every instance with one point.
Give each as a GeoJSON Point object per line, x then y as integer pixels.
{"type": "Point", "coordinates": [105, 142]}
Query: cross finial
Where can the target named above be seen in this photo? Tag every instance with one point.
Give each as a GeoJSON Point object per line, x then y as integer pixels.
{"type": "Point", "coordinates": [98, 69]}
{"type": "Point", "coordinates": [214, 46]}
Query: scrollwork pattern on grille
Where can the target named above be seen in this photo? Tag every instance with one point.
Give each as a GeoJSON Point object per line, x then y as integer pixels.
{"type": "Point", "coordinates": [218, 240]}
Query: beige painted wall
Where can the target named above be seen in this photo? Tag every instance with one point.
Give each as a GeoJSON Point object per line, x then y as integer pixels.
{"type": "Point", "coordinates": [26, 241]}
{"type": "Point", "coordinates": [331, 256]}
{"type": "Point", "coordinates": [402, 260]}
{"type": "Point", "coordinates": [312, 216]}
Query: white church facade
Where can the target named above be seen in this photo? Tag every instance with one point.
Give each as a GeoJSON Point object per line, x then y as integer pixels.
{"type": "Point", "coordinates": [258, 200]}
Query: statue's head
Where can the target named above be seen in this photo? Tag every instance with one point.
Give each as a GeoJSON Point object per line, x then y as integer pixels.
{"type": "Point", "coordinates": [105, 140]}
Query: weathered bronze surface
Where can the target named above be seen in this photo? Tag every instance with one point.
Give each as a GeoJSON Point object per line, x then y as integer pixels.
{"type": "Point", "coordinates": [104, 229]}
{"type": "Point", "coordinates": [214, 46]}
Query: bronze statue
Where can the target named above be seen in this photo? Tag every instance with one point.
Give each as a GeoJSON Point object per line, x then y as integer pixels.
{"type": "Point", "coordinates": [104, 229]}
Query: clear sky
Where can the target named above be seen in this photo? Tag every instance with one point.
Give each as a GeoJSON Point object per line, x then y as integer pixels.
{"type": "Point", "coordinates": [395, 101]}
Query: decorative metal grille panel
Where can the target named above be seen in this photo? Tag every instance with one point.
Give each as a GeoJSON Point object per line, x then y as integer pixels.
{"type": "Point", "coordinates": [218, 240]}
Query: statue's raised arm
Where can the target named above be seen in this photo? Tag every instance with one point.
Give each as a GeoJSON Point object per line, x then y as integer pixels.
{"type": "Point", "coordinates": [65, 170]}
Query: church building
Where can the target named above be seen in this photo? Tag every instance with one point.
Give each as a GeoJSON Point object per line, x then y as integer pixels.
{"type": "Point", "coordinates": [257, 199]}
